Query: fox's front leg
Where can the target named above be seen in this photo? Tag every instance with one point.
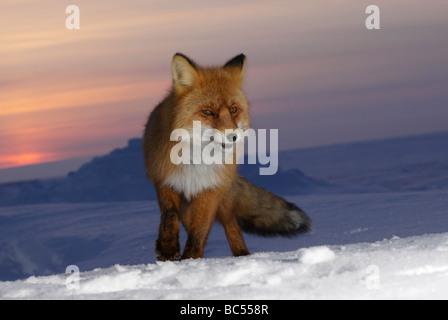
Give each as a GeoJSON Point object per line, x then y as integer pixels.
{"type": "Point", "coordinates": [198, 216]}
{"type": "Point", "coordinates": [167, 245]}
{"type": "Point", "coordinates": [232, 229]}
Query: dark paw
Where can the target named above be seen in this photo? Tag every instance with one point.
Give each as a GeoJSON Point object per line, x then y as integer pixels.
{"type": "Point", "coordinates": [167, 251]}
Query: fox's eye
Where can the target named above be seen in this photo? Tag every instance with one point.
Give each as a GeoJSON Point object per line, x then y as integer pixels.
{"type": "Point", "coordinates": [207, 112]}
{"type": "Point", "coordinates": [233, 109]}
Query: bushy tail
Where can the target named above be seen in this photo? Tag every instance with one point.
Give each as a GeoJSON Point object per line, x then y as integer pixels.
{"type": "Point", "coordinates": [261, 212]}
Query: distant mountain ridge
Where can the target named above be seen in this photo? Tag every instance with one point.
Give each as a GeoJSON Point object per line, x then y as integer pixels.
{"type": "Point", "coordinates": [413, 163]}
{"type": "Point", "coordinates": [120, 176]}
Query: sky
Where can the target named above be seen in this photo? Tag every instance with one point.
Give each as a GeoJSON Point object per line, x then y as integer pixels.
{"type": "Point", "coordinates": [314, 71]}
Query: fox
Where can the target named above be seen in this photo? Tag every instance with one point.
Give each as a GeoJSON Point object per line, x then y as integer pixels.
{"type": "Point", "coordinates": [198, 194]}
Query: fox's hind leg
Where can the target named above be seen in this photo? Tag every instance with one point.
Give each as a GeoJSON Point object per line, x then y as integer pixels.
{"type": "Point", "coordinates": [167, 245]}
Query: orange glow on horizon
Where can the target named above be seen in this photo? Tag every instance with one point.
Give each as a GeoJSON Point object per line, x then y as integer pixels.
{"type": "Point", "coordinates": [25, 159]}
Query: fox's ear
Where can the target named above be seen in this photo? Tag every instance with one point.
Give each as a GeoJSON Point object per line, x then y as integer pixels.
{"type": "Point", "coordinates": [184, 72]}
{"type": "Point", "coordinates": [237, 65]}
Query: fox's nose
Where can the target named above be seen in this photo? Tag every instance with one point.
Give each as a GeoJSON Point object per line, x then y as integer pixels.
{"type": "Point", "coordinates": [232, 137]}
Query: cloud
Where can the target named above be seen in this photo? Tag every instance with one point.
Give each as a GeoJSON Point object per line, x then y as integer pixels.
{"type": "Point", "coordinates": [312, 67]}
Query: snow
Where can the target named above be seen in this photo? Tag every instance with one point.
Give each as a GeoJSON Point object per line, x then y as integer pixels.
{"type": "Point", "coordinates": [409, 268]}
{"type": "Point", "coordinates": [317, 255]}
{"type": "Point", "coordinates": [380, 218]}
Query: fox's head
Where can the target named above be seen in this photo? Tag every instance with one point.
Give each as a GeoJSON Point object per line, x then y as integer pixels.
{"type": "Point", "coordinates": [211, 95]}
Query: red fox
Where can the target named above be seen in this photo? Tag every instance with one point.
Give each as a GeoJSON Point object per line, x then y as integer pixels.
{"type": "Point", "coordinates": [197, 194]}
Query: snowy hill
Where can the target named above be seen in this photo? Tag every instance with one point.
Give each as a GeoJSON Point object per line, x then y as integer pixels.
{"type": "Point", "coordinates": [413, 163]}
{"type": "Point", "coordinates": [381, 231]}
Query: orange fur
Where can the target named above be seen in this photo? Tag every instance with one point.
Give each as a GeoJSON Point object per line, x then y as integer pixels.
{"type": "Point", "coordinates": [199, 194]}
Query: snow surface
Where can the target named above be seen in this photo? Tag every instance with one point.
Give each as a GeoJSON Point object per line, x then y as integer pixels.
{"type": "Point", "coordinates": [409, 268]}
{"type": "Point", "coordinates": [380, 213]}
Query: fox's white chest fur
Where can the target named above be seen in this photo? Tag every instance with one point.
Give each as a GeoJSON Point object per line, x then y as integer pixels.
{"type": "Point", "coordinates": [192, 179]}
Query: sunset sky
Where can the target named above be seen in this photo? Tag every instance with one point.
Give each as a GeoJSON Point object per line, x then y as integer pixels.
{"type": "Point", "coordinates": [314, 71]}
